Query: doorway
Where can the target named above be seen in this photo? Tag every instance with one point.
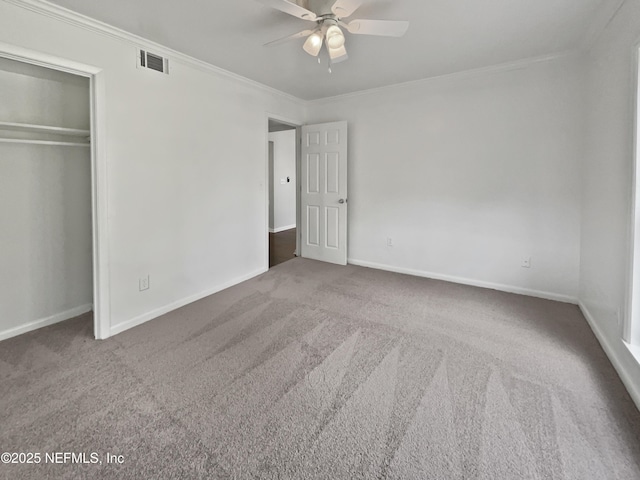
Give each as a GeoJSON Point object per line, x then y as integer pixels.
{"type": "Point", "coordinates": [283, 192]}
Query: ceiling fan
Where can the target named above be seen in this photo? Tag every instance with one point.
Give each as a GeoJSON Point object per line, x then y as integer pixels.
{"type": "Point", "coordinates": [328, 16]}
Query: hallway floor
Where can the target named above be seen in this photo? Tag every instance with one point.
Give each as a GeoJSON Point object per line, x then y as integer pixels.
{"type": "Point", "coordinates": [282, 246]}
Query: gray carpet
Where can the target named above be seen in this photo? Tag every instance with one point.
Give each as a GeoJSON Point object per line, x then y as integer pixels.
{"type": "Point", "coordinates": [325, 372]}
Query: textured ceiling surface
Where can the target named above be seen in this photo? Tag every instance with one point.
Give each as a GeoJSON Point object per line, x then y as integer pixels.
{"type": "Point", "coordinates": [445, 36]}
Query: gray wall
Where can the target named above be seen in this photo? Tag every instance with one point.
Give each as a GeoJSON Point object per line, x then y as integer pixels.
{"type": "Point", "coordinates": [607, 177]}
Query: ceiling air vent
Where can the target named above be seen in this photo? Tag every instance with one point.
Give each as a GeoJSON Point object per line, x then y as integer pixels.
{"type": "Point", "coordinates": [153, 62]}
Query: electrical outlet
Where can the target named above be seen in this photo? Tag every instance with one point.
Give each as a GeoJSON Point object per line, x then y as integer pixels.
{"type": "Point", "coordinates": [143, 283]}
{"type": "Point", "coordinates": [389, 242]}
{"type": "Point", "coordinates": [526, 262]}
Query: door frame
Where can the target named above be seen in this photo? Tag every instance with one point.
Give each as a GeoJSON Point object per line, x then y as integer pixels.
{"type": "Point", "coordinates": [298, 126]}
{"type": "Point", "coordinates": [631, 318]}
{"type": "Point", "coordinates": [99, 214]}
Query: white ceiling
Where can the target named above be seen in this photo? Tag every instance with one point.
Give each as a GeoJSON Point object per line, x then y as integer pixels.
{"type": "Point", "coordinates": [445, 36]}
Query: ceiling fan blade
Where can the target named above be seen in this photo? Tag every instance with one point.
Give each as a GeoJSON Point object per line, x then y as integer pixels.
{"type": "Point", "coordinates": [304, 33]}
{"type": "Point", "coordinates": [385, 28]}
{"type": "Point", "coordinates": [291, 8]}
{"type": "Point", "coordinates": [344, 8]}
{"type": "Point", "coordinates": [338, 55]}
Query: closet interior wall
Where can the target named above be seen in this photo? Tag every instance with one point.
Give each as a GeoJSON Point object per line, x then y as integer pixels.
{"type": "Point", "coordinates": [45, 197]}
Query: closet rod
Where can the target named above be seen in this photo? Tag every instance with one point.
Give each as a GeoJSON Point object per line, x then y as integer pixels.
{"type": "Point", "coordinates": [28, 127]}
{"type": "Point", "coordinates": [43, 142]}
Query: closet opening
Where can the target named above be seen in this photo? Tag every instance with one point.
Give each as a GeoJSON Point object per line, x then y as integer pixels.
{"type": "Point", "coordinates": [47, 199]}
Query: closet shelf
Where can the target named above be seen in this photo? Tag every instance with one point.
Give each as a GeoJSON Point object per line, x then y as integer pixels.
{"type": "Point", "coordinates": [44, 142]}
{"type": "Point", "coordinates": [27, 127]}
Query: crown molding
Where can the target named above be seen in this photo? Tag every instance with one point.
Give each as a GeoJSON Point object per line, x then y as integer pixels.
{"type": "Point", "coordinates": [464, 74]}
{"type": "Point", "coordinates": [603, 17]}
{"type": "Point", "coordinates": [56, 12]}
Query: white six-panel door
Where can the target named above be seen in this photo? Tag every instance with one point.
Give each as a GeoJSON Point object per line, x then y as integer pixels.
{"type": "Point", "coordinates": [324, 192]}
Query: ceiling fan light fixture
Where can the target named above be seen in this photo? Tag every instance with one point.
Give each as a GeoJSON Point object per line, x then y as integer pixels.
{"type": "Point", "coordinates": [328, 16]}
{"type": "Point", "coordinates": [313, 44]}
{"type": "Point", "coordinates": [335, 37]}
{"type": "Point", "coordinates": [338, 55]}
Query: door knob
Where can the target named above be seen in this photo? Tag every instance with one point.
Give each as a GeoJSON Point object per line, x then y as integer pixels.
{"type": "Point", "coordinates": [341, 200]}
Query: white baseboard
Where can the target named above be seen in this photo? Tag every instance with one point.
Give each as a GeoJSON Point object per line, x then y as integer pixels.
{"type": "Point", "coordinates": [134, 322]}
{"type": "Point", "coordinates": [282, 229]}
{"type": "Point", "coordinates": [614, 355]}
{"type": "Point", "coordinates": [44, 322]}
{"type": "Point", "coordinates": [467, 281]}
